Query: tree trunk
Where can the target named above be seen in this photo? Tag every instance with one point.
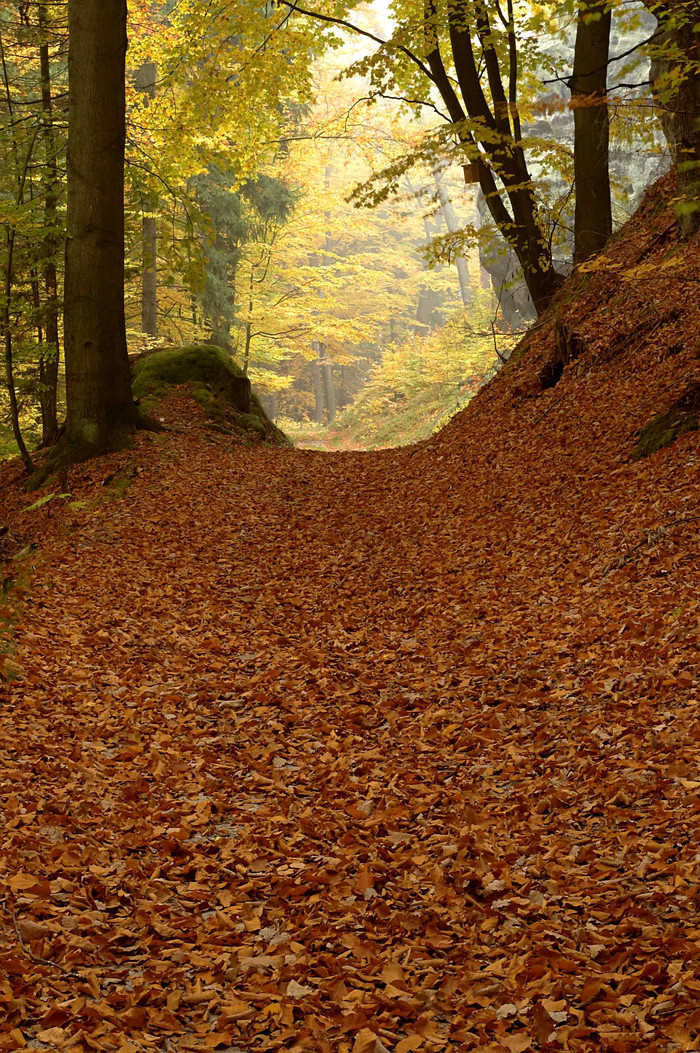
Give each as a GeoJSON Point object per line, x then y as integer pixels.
{"type": "Point", "coordinates": [328, 389]}
{"type": "Point", "coordinates": [453, 225]}
{"type": "Point", "coordinates": [246, 350]}
{"type": "Point", "coordinates": [7, 339]}
{"type": "Point", "coordinates": [678, 49]}
{"type": "Point", "coordinates": [145, 81]}
{"type": "Point", "coordinates": [101, 414]}
{"type": "Point", "coordinates": [318, 390]}
{"type": "Point", "coordinates": [149, 274]}
{"type": "Point", "coordinates": [21, 170]}
{"type": "Point", "coordinates": [593, 215]}
{"type": "Point", "coordinates": [48, 362]}
{"type": "Point", "coordinates": [495, 147]}
{"type": "Point", "coordinates": [687, 121]}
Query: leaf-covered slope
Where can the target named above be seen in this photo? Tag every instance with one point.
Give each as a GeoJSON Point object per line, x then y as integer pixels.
{"type": "Point", "coordinates": [373, 751]}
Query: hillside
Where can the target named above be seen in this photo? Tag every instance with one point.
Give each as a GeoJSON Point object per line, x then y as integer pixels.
{"type": "Point", "coordinates": [372, 751]}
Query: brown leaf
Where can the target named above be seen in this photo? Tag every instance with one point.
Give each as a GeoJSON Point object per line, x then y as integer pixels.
{"type": "Point", "coordinates": [367, 1042]}
{"type": "Point", "coordinates": [405, 1045]}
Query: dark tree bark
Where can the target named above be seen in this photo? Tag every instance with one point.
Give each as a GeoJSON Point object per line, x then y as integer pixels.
{"type": "Point", "coordinates": [21, 169]}
{"type": "Point", "coordinates": [593, 215]}
{"type": "Point", "coordinates": [101, 414]}
{"type": "Point", "coordinates": [678, 48]}
{"type": "Point", "coordinates": [494, 148]}
{"type": "Point", "coordinates": [48, 363]}
{"type": "Point", "coordinates": [6, 326]}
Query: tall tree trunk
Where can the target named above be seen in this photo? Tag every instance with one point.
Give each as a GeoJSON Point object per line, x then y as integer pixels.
{"type": "Point", "coordinates": [328, 387]}
{"type": "Point", "coordinates": [101, 414]}
{"type": "Point", "coordinates": [678, 51]}
{"type": "Point", "coordinates": [246, 349]}
{"type": "Point", "coordinates": [453, 225]}
{"type": "Point", "coordinates": [424, 303]}
{"type": "Point", "coordinates": [145, 81]}
{"type": "Point", "coordinates": [21, 169]}
{"type": "Point", "coordinates": [495, 147]}
{"type": "Point", "coordinates": [687, 119]}
{"type": "Point", "coordinates": [6, 323]}
{"type": "Point", "coordinates": [48, 362]}
{"type": "Point", "coordinates": [593, 215]}
{"type": "Point", "coordinates": [318, 389]}
{"type": "Point", "coordinates": [149, 274]}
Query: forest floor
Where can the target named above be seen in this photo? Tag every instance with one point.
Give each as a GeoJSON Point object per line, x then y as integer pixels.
{"type": "Point", "coordinates": [370, 751]}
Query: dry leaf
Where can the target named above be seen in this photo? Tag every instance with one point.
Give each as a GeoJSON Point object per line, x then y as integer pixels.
{"type": "Point", "coordinates": [297, 990]}
{"type": "Point", "coordinates": [516, 1043]}
{"type": "Point", "coordinates": [419, 725]}
{"type": "Point", "coordinates": [367, 1042]}
{"type": "Point", "coordinates": [411, 1042]}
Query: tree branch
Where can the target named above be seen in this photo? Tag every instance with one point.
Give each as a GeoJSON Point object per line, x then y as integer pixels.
{"type": "Point", "coordinates": [361, 32]}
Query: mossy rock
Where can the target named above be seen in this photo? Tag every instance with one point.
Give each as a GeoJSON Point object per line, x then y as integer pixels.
{"type": "Point", "coordinates": [215, 382]}
{"type": "Point", "coordinates": [210, 372]}
{"type": "Point", "coordinates": [665, 428]}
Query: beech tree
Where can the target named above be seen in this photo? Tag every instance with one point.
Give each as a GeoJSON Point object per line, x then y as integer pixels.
{"type": "Point", "coordinates": [676, 73]}
{"type": "Point", "coordinates": [474, 63]}
{"type": "Point", "coordinates": [481, 104]}
{"type": "Point", "coordinates": [588, 84]}
{"type": "Point", "coordinates": [100, 411]}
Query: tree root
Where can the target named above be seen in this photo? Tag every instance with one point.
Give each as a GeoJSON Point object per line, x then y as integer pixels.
{"type": "Point", "coordinates": [67, 452]}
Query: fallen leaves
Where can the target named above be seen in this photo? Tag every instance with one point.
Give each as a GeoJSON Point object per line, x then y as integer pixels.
{"type": "Point", "coordinates": [403, 772]}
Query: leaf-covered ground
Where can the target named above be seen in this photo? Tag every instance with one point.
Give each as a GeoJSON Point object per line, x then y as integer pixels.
{"type": "Point", "coordinates": [393, 751]}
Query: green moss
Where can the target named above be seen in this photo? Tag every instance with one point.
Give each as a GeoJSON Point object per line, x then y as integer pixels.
{"type": "Point", "coordinates": [253, 422]}
{"type": "Point", "coordinates": [666, 427]}
{"type": "Point", "coordinates": [215, 382]}
{"type": "Point", "coordinates": [119, 487]}
{"type": "Point", "coordinates": [209, 371]}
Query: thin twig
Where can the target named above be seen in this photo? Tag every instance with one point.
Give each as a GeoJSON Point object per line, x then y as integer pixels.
{"type": "Point", "coordinates": [652, 537]}
{"type": "Point", "coordinates": [35, 957]}
{"type": "Point", "coordinates": [552, 405]}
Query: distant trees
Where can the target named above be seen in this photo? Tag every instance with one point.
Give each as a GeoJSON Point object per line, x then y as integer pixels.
{"type": "Point", "coordinates": [196, 198]}
{"type": "Point", "coordinates": [468, 51]}
{"type": "Point", "coordinates": [475, 63]}
{"type": "Point", "coordinates": [32, 50]}
{"type": "Point", "coordinates": [240, 224]}
{"type": "Point", "coordinates": [200, 68]}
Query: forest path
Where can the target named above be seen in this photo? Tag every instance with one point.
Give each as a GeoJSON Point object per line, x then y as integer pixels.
{"type": "Point", "coordinates": [312, 747]}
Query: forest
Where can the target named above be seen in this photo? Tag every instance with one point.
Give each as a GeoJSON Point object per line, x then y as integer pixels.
{"type": "Point", "coordinates": [349, 515]}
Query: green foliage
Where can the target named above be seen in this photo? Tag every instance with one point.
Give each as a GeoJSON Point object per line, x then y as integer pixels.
{"type": "Point", "coordinates": [235, 215]}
